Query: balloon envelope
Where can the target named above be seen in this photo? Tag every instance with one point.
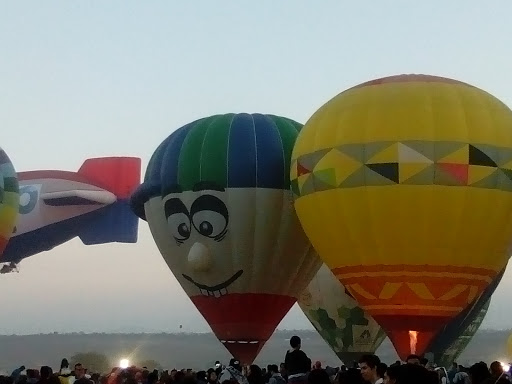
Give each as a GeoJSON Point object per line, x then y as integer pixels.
{"type": "Point", "coordinates": [403, 185]}
{"type": "Point", "coordinates": [216, 197]}
{"type": "Point", "coordinates": [345, 327]}
{"type": "Point", "coordinates": [9, 199]}
{"type": "Point", "coordinates": [451, 341]}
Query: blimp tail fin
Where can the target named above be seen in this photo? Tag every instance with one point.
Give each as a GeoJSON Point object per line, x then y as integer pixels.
{"type": "Point", "coordinates": [116, 222]}
{"type": "Point", "coordinates": [119, 175]}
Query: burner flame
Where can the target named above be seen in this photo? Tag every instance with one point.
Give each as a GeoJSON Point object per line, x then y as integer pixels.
{"type": "Point", "coordinates": [413, 340]}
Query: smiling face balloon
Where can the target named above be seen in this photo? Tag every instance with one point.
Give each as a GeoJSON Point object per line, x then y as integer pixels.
{"type": "Point", "coordinates": [217, 199]}
{"type": "Point", "coordinates": [9, 199]}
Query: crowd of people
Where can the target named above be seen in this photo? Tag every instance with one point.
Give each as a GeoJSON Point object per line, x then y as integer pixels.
{"type": "Point", "coordinates": [297, 368]}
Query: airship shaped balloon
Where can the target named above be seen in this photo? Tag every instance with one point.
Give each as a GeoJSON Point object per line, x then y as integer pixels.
{"type": "Point", "coordinates": [93, 204]}
{"type": "Point", "coordinates": [451, 341]}
{"type": "Point", "coordinates": [348, 330]}
{"type": "Point", "coordinates": [217, 199]}
{"type": "Point", "coordinates": [404, 187]}
{"type": "Point", "coordinates": [9, 199]}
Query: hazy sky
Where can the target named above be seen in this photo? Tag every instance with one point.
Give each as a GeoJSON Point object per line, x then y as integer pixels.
{"type": "Point", "coordinates": [81, 79]}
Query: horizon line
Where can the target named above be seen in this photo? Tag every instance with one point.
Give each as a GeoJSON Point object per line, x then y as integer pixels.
{"type": "Point", "coordinates": [183, 333]}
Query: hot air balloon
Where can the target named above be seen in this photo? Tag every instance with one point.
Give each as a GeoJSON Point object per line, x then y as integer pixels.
{"type": "Point", "coordinates": [403, 185]}
{"type": "Point", "coordinates": [9, 199]}
{"type": "Point", "coordinates": [217, 200]}
{"type": "Point", "coordinates": [451, 341]}
{"type": "Point", "coordinates": [344, 326]}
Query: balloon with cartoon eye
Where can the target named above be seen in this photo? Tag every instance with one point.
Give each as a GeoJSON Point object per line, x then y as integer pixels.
{"type": "Point", "coordinates": [217, 198]}
{"type": "Point", "coordinates": [209, 216]}
{"type": "Point", "coordinates": [178, 220]}
{"type": "Point", "coordinates": [209, 223]}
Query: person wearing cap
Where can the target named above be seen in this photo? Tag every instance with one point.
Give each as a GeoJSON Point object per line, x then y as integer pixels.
{"type": "Point", "coordinates": [233, 372]}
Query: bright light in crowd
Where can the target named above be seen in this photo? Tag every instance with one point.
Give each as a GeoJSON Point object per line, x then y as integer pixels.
{"type": "Point", "coordinates": [124, 363]}
{"type": "Point", "coordinates": [505, 366]}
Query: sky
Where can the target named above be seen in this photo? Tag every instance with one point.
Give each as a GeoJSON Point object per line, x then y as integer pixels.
{"type": "Point", "coordinates": [81, 79]}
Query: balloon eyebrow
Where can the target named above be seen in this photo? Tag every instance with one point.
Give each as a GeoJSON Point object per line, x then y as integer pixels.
{"type": "Point", "coordinates": [207, 186]}
{"type": "Point", "coordinates": [209, 203]}
{"type": "Point", "coordinates": [173, 206]}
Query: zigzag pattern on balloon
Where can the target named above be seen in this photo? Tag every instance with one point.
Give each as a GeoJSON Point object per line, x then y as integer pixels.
{"type": "Point", "coordinates": [433, 290]}
{"type": "Point", "coordinates": [405, 162]}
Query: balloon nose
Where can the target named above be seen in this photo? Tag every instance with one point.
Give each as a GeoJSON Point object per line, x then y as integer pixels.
{"type": "Point", "coordinates": [199, 257]}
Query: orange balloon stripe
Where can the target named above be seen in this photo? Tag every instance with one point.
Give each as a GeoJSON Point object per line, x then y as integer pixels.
{"type": "Point", "coordinates": [411, 289]}
{"type": "Point", "coordinates": [401, 274]}
{"type": "Point", "coordinates": [418, 268]}
{"type": "Point", "coordinates": [452, 270]}
{"type": "Point", "coordinates": [430, 309]}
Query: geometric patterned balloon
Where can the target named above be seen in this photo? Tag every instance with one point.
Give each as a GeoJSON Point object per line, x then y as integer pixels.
{"type": "Point", "coordinates": [9, 199]}
{"type": "Point", "coordinates": [403, 185]}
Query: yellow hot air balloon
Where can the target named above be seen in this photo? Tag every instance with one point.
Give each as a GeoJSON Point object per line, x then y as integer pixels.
{"type": "Point", "coordinates": [403, 185]}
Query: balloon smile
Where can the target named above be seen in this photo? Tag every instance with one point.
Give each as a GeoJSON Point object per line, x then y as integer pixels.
{"type": "Point", "coordinates": [215, 290]}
